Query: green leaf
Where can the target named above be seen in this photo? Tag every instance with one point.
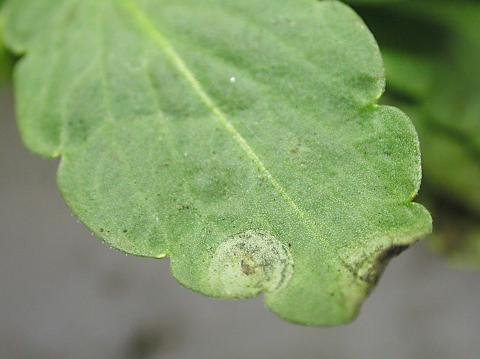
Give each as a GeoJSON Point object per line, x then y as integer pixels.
{"type": "Point", "coordinates": [239, 138]}
{"type": "Point", "coordinates": [451, 191]}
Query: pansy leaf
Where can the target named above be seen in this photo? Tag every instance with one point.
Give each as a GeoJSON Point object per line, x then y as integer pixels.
{"type": "Point", "coordinates": [240, 138]}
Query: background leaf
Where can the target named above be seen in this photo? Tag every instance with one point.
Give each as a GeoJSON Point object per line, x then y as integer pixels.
{"type": "Point", "coordinates": [6, 60]}
{"type": "Point", "coordinates": [432, 52]}
{"type": "Point", "coordinates": [241, 139]}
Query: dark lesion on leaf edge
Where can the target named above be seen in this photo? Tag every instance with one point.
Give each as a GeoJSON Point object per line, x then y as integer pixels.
{"type": "Point", "coordinates": [378, 264]}
{"type": "Point", "coordinates": [382, 260]}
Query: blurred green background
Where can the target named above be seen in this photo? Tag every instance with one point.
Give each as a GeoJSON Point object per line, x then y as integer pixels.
{"type": "Point", "coordinates": [432, 58]}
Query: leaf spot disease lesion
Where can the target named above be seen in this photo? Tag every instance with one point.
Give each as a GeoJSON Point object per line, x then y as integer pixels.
{"type": "Point", "coordinates": [249, 263]}
{"type": "Point", "coordinates": [369, 267]}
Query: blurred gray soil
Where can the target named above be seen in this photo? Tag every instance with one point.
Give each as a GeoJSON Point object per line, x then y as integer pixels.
{"type": "Point", "coordinates": [63, 294]}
